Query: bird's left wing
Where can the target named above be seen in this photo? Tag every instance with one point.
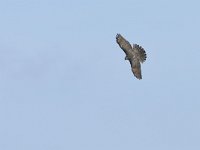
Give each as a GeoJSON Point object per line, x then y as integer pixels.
{"type": "Point", "coordinates": [124, 44]}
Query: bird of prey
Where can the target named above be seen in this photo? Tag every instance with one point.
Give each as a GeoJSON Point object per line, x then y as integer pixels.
{"type": "Point", "coordinates": [135, 54]}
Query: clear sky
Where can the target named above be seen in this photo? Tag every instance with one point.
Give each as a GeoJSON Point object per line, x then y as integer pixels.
{"type": "Point", "coordinates": [64, 83]}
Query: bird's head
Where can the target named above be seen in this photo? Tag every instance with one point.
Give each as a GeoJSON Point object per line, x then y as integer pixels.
{"type": "Point", "coordinates": [126, 58]}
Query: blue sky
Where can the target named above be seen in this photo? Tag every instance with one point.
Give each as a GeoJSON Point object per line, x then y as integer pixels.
{"type": "Point", "coordinates": [64, 83]}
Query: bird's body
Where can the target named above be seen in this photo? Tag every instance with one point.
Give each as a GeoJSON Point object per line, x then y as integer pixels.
{"type": "Point", "coordinates": [135, 54]}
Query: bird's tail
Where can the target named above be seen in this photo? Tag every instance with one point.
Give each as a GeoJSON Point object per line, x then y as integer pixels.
{"type": "Point", "coordinates": [141, 51]}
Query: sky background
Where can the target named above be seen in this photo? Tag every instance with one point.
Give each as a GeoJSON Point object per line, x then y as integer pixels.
{"type": "Point", "coordinates": [64, 83]}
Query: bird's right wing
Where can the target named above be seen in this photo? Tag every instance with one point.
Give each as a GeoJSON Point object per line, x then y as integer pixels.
{"type": "Point", "coordinates": [136, 68]}
{"type": "Point", "coordinates": [124, 44]}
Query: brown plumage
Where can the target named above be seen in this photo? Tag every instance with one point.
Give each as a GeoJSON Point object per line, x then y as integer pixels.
{"type": "Point", "coordinates": [135, 55]}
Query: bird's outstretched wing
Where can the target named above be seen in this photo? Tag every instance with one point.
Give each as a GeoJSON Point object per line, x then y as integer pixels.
{"type": "Point", "coordinates": [136, 68]}
{"type": "Point", "coordinates": [124, 44]}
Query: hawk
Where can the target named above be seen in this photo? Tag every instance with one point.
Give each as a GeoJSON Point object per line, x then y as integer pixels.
{"type": "Point", "coordinates": [136, 55]}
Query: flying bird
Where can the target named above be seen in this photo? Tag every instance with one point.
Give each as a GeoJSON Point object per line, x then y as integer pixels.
{"type": "Point", "coordinates": [135, 54]}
